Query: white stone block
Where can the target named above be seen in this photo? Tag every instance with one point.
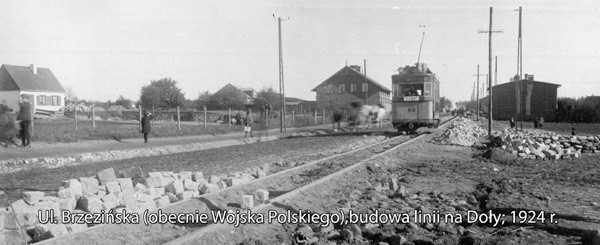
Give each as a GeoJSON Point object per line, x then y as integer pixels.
{"type": "Point", "coordinates": [126, 184]}
{"type": "Point", "coordinates": [67, 203]}
{"type": "Point", "coordinates": [190, 185]}
{"type": "Point", "coordinates": [247, 201]}
{"type": "Point", "coordinates": [113, 187]}
{"type": "Point", "coordinates": [185, 175]}
{"type": "Point", "coordinates": [176, 187]}
{"type": "Point", "coordinates": [198, 177]}
{"type": "Point", "coordinates": [185, 195]}
{"type": "Point", "coordinates": [208, 188]}
{"type": "Point", "coordinates": [89, 186]}
{"type": "Point", "coordinates": [261, 196]}
{"type": "Point", "coordinates": [106, 175]}
{"type": "Point", "coordinates": [162, 201]}
{"type": "Point", "coordinates": [90, 204]}
{"type": "Point", "coordinates": [32, 197]}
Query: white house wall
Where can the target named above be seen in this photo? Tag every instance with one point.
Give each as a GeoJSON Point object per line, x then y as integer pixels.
{"type": "Point", "coordinates": [46, 107]}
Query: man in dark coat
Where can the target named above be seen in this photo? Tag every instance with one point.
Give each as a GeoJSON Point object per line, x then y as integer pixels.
{"type": "Point", "coordinates": [25, 118]}
{"type": "Point", "coordinates": [146, 125]}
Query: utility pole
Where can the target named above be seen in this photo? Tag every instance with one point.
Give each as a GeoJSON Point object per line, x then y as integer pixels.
{"type": "Point", "coordinates": [473, 93]}
{"type": "Point", "coordinates": [520, 48]}
{"type": "Point", "coordinates": [477, 118]}
{"type": "Point", "coordinates": [496, 73]}
{"type": "Point", "coordinates": [519, 70]}
{"type": "Point", "coordinates": [489, 78]}
{"type": "Point", "coordinates": [366, 84]}
{"type": "Point", "coordinates": [477, 97]}
{"type": "Point", "coordinates": [282, 127]}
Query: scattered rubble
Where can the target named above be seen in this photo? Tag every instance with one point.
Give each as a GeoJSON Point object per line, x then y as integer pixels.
{"type": "Point", "coordinates": [541, 144]}
{"type": "Point", "coordinates": [110, 192]}
{"type": "Point", "coordinates": [462, 132]}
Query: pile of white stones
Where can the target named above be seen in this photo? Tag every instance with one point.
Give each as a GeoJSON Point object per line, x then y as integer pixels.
{"type": "Point", "coordinates": [463, 132]}
{"type": "Point", "coordinates": [540, 144]}
{"type": "Point", "coordinates": [105, 193]}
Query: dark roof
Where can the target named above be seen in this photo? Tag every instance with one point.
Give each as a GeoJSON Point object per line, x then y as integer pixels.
{"type": "Point", "coordinates": [345, 69]}
{"type": "Point", "coordinates": [532, 81]}
{"type": "Point", "coordinates": [293, 99]}
{"type": "Point", "coordinates": [22, 78]}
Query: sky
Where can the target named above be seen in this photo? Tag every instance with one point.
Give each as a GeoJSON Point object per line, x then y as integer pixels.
{"type": "Point", "coordinates": [103, 49]}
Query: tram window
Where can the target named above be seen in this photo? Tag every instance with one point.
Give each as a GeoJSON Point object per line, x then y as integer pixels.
{"type": "Point", "coordinates": [427, 89]}
{"type": "Point", "coordinates": [411, 89]}
{"type": "Point", "coordinates": [396, 90]}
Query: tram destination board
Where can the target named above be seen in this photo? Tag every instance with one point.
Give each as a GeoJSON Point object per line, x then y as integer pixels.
{"type": "Point", "coordinates": [411, 98]}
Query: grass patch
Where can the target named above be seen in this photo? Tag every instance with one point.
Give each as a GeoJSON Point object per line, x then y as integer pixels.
{"type": "Point", "coordinates": [63, 130]}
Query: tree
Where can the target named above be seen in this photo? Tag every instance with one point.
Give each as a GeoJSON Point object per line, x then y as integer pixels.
{"type": "Point", "coordinates": [445, 103]}
{"type": "Point", "coordinates": [70, 94]}
{"type": "Point", "coordinates": [162, 94]}
{"type": "Point", "coordinates": [228, 97]}
{"type": "Point", "coordinates": [268, 98]}
{"type": "Point", "coordinates": [124, 102]}
{"type": "Point", "coordinates": [202, 100]}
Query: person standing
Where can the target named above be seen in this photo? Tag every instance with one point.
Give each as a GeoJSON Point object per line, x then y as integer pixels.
{"type": "Point", "coordinates": [25, 118]}
{"type": "Point", "coordinates": [248, 125]}
{"type": "Point", "coordinates": [512, 123]}
{"type": "Point", "coordinates": [146, 128]}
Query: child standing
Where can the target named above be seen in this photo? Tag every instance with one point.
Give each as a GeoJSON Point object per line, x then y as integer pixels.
{"type": "Point", "coordinates": [248, 125]}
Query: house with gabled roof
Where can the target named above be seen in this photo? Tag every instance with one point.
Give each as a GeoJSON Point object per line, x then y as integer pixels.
{"type": "Point", "coordinates": [355, 85]}
{"type": "Point", "coordinates": [41, 86]}
{"type": "Point", "coordinates": [237, 93]}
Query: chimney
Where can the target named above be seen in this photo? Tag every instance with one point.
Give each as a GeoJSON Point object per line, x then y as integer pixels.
{"type": "Point", "coordinates": [33, 69]}
{"type": "Point", "coordinates": [355, 67]}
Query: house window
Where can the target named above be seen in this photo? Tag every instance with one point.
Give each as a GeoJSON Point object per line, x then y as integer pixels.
{"type": "Point", "coordinates": [352, 88]}
{"type": "Point", "coordinates": [56, 100]}
{"type": "Point", "coordinates": [342, 88]}
{"type": "Point", "coordinates": [41, 100]}
{"type": "Point", "coordinates": [364, 87]}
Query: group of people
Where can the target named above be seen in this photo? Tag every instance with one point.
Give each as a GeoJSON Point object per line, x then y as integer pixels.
{"type": "Point", "coordinates": [458, 112]}
{"type": "Point", "coordinates": [8, 123]}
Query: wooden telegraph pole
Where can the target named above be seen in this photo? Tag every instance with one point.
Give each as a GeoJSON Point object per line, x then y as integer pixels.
{"type": "Point", "coordinates": [519, 70]}
{"type": "Point", "coordinates": [477, 93]}
{"type": "Point", "coordinates": [366, 84]}
{"type": "Point", "coordinates": [489, 75]}
{"type": "Point", "coordinates": [282, 127]}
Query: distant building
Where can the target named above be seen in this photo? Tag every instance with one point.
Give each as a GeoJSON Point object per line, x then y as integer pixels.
{"type": "Point", "coordinates": [45, 93]}
{"type": "Point", "coordinates": [350, 81]}
{"type": "Point", "coordinates": [537, 99]}
{"type": "Point", "coordinates": [246, 94]}
{"type": "Point", "coordinates": [249, 95]}
{"type": "Point", "coordinates": [299, 105]}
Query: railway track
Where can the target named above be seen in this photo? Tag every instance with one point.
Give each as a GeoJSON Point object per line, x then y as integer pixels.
{"type": "Point", "coordinates": [281, 185]}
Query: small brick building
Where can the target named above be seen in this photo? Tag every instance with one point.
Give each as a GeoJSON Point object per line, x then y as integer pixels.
{"type": "Point", "coordinates": [531, 98]}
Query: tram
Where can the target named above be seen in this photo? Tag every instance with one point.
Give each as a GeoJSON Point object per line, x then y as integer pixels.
{"type": "Point", "coordinates": [415, 95]}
